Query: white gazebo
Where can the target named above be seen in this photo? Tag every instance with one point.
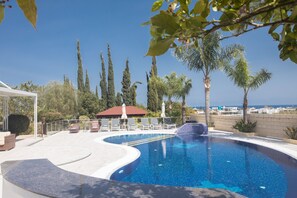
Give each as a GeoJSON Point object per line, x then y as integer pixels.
{"type": "Point", "coordinates": [6, 92]}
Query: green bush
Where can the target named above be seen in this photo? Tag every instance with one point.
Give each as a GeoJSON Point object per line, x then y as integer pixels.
{"type": "Point", "coordinates": [291, 132]}
{"type": "Point", "coordinates": [51, 116]}
{"type": "Point", "coordinates": [247, 128]}
{"type": "Point", "coordinates": [84, 118]}
{"type": "Point", "coordinates": [153, 114]}
{"type": "Point", "coordinates": [18, 123]}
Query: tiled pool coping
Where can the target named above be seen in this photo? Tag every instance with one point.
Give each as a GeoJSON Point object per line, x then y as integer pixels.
{"type": "Point", "coordinates": [41, 178]}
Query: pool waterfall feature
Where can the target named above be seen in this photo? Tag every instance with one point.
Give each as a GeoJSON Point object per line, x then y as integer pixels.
{"type": "Point", "coordinates": [188, 131]}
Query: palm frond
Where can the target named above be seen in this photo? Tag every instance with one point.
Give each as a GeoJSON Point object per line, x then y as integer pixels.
{"type": "Point", "coordinates": [259, 79]}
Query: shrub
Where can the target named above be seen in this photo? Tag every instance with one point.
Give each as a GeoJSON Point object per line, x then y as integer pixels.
{"type": "Point", "coordinates": [211, 124]}
{"type": "Point", "coordinates": [291, 132]}
{"type": "Point", "coordinates": [83, 117]}
{"type": "Point", "coordinates": [247, 128]}
{"type": "Point", "coordinates": [51, 116]}
{"type": "Point", "coordinates": [18, 123]}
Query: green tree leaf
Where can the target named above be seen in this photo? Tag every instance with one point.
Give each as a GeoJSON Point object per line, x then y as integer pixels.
{"type": "Point", "coordinates": [146, 23]}
{"type": "Point", "coordinates": [293, 57]}
{"type": "Point", "coordinates": [1, 13]}
{"type": "Point", "coordinates": [272, 28]}
{"type": "Point", "coordinates": [294, 14]}
{"type": "Point", "coordinates": [199, 7]}
{"type": "Point", "coordinates": [157, 5]}
{"type": "Point", "coordinates": [275, 36]}
{"type": "Point", "coordinates": [30, 10]}
{"type": "Point", "coordinates": [159, 47]}
{"type": "Point", "coordinates": [165, 23]}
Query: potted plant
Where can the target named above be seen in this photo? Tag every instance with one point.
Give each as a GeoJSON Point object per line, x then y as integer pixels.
{"type": "Point", "coordinates": [291, 132]}
{"type": "Point", "coordinates": [246, 129]}
{"type": "Point", "coordinates": [211, 126]}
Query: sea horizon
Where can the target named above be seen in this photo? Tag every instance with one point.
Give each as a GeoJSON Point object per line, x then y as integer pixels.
{"type": "Point", "coordinates": [255, 106]}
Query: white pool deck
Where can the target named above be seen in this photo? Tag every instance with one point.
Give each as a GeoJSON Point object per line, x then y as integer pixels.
{"type": "Point", "coordinates": [86, 153]}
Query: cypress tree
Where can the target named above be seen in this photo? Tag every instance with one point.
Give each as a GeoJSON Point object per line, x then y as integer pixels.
{"type": "Point", "coordinates": [87, 83]}
{"type": "Point", "coordinates": [110, 79]}
{"type": "Point", "coordinates": [80, 78]}
{"type": "Point", "coordinates": [96, 93]}
{"type": "Point", "coordinates": [154, 70]}
{"type": "Point", "coordinates": [118, 100]}
{"type": "Point", "coordinates": [126, 83]}
{"type": "Point", "coordinates": [133, 93]}
{"type": "Point", "coordinates": [103, 85]}
{"type": "Point", "coordinates": [152, 95]}
{"type": "Point", "coordinates": [148, 90]}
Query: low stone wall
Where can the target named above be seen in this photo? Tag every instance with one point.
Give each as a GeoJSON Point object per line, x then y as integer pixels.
{"type": "Point", "coordinates": [267, 124]}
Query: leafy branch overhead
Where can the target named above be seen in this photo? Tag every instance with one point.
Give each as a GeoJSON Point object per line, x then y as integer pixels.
{"type": "Point", "coordinates": [185, 21]}
{"type": "Point", "coordinates": [27, 6]}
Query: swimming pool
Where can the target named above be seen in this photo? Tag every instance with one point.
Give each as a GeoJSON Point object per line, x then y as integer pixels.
{"type": "Point", "coordinates": [209, 162]}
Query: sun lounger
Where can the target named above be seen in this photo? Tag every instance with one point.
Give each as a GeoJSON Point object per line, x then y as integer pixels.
{"type": "Point", "coordinates": [7, 141]}
{"type": "Point", "coordinates": [104, 125]}
{"type": "Point", "coordinates": [168, 124]}
{"type": "Point", "coordinates": [145, 123]}
{"type": "Point", "coordinates": [155, 123]}
{"type": "Point", "coordinates": [115, 124]}
{"type": "Point", "coordinates": [94, 126]}
{"type": "Point", "coordinates": [74, 128]}
{"type": "Point", "coordinates": [131, 124]}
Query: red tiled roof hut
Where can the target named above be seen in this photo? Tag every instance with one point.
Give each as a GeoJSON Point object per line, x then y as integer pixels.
{"type": "Point", "coordinates": [116, 112]}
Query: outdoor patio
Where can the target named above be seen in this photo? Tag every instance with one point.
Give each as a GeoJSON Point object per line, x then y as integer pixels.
{"type": "Point", "coordinates": [85, 153]}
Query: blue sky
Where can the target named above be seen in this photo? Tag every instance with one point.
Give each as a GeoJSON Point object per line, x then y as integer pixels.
{"type": "Point", "coordinates": [46, 54]}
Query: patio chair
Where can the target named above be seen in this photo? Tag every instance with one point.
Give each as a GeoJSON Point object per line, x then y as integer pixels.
{"type": "Point", "coordinates": [74, 128]}
{"type": "Point", "coordinates": [7, 141]}
{"type": "Point", "coordinates": [131, 124]}
{"type": "Point", "coordinates": [115, 124]}
{"type": "Point", "coordinates": [155, 123]}
{"type": "Point", "coordinates": [94, 126]}
{"type": "Point", "coordinates": [104, 125]}
{"type": "Point", "coordinates": [145, 123]}
{"type": "Point", "coordinates": [168, 124]}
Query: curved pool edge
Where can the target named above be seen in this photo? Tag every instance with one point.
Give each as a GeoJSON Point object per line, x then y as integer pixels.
{"type": "Point", "coordinates": [106, 171]}
{"type": "Point", "coordinates": [132, 154]}
{"type": "Point", "coordinates": [40, 178]}
{"type": "Point", "coordinates": [274, 144]}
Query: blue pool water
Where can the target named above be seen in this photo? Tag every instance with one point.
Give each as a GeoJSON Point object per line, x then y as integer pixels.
{"type": "Point", "coordinates": [207, 162]}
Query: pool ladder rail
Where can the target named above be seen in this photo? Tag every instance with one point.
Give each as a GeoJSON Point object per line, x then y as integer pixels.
{"type": "Point", "coordinates": [147, 140]}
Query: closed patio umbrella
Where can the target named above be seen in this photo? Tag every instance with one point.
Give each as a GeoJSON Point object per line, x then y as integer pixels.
{"type": "Point", "coordinates": [163, 111]}
{"type": "Point", "coordinates": [124, 115]}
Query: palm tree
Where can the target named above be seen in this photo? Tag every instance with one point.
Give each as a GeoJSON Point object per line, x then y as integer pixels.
{"type": "Point", "coordinates": [242, 78]}
{"type": "Point", "coordinates": [185, 87]}
{"type": "Point", "coordinates": [172, 83]}
{"type": "Point", "coordinates": [206, 56]}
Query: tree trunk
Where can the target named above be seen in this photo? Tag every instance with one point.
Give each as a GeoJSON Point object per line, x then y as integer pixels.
{"type": "Point", "coordinates": [184, 110]}
{"type": "Point", "coordinates": [245, 105]}
{"type": "Point", "coordinates": [170, 106]}
{"type": "Point", "coordinates": [207, 100]}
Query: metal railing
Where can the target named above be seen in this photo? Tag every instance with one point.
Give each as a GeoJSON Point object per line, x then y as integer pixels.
{"type": "Point", "coordinates": [85, 125]}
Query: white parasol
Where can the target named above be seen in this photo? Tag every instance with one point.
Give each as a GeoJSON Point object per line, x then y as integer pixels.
{"type": "Point", "coordinates": [163, 111]}
{"type": "Point", "coordinates": [124, 115]}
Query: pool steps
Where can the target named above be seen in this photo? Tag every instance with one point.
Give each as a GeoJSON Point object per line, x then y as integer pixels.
{"type": "Point", "coordinates": [147, 140]}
